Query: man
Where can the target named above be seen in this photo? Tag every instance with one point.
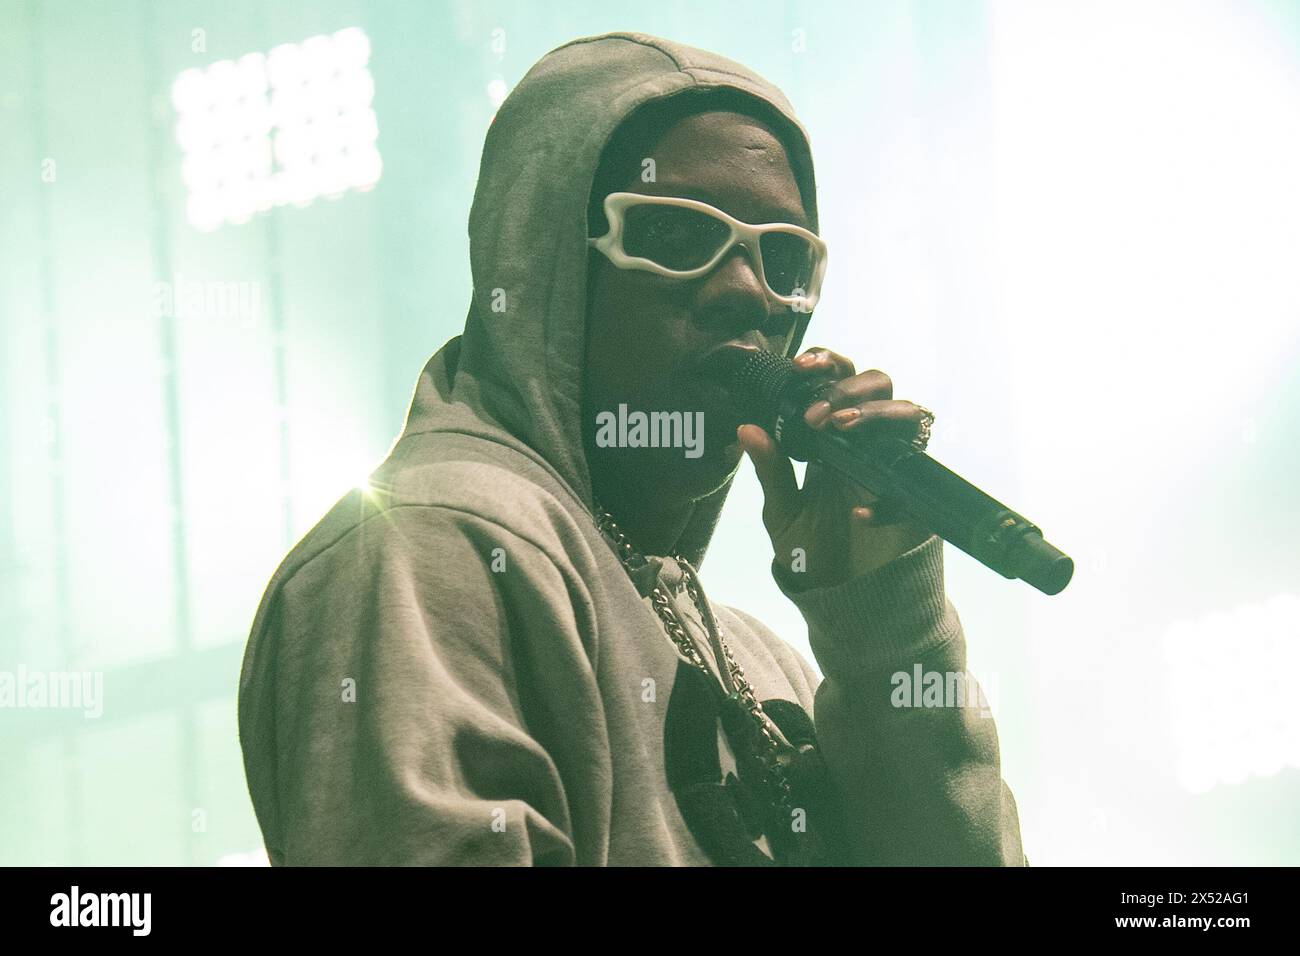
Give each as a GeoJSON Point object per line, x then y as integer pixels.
{"type": "Point", "coordinates": [502, 654]}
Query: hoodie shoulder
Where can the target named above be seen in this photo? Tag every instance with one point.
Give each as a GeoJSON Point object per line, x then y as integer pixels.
{"type": "Point", "coordinates": [492, 482]}
{"type": "Point", "coordinates": [423, 501]}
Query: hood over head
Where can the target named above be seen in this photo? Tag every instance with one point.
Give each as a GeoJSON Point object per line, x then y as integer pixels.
{"type": "Point", "coordinates": [514, 376]}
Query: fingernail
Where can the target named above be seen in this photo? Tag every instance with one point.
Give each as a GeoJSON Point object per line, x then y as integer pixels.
{"type": "Point", "coordinates": [817, 413]}
{"type": "Point", "coordinates": [846, 415]}
{"type": "Point", "coordinates": [805, 359]}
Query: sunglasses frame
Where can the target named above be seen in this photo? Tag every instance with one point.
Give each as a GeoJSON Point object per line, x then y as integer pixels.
{"type": "Point", "coordinates": [744, 234]}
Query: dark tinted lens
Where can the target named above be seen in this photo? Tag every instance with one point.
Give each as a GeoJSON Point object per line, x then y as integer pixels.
{"type": "Point", "coordinates": [787, 262]}
{"type": "Point", "coordinates": [673, 236]}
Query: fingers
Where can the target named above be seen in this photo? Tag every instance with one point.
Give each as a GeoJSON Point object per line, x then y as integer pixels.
{"type": "Point", "coordinates": [775, 475]}
{"type": "Point", "coordinates": [846, 386]}
{"type": "Point", "coordinates": [904, 416]}
{"type": "Point", "coordinates": [820, 360]}
{"type": "Point", "coordinates": [852, 400]}
{"type": "Point", "coordinates": [856, 392]}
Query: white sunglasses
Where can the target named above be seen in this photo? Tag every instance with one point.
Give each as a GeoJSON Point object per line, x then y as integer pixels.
{"type": "Point", "coordinates": [685, 238]}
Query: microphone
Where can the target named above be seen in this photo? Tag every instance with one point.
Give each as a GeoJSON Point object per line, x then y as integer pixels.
{"type": "Point", "coordinates": [765, 389]}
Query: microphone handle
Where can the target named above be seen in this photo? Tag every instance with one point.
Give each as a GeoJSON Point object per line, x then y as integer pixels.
{"type": "Point", "coordinates": [931, 495]}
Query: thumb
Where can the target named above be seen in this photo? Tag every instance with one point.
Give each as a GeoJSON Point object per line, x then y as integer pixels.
{"type": "Point", "coordinates": [775, 475]}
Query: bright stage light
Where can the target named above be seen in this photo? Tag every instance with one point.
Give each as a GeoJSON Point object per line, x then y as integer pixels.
{"type": "Point", "coordinates": [285, 127]}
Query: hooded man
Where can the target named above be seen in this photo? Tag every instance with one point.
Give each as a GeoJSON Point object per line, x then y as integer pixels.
{"type": "Point", "coordinates": [502, 654]}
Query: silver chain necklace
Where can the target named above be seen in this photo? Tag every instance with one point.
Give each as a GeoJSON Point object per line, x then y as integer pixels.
{"type": "Point", "coordinates": [733, 680]}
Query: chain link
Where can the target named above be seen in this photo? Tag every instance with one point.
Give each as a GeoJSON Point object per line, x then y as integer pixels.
{"type": "Point", "coordinates": [773, 774]}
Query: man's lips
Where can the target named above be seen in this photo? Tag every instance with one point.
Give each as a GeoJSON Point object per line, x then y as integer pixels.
{"type": "Point", "coordinates": [716, 366]}
{"type": "Point", "coordinates": [721, 360]}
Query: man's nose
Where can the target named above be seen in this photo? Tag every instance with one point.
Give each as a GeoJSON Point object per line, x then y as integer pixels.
{"type": "Point", "coordinates": [732, 295]}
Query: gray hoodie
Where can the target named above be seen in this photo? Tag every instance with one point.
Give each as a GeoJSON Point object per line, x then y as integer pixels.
{"type": "Point", "coordinates": [455, 667]}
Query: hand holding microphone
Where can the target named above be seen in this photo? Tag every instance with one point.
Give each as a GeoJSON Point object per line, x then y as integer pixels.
{"type": "Point", "coordinates": [831, 529]}
{"type": "Point", "coordinates": [870, 493]}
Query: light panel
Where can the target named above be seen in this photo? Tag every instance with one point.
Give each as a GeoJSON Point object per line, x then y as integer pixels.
{"type": "Point", "coordinates": [273, 129]}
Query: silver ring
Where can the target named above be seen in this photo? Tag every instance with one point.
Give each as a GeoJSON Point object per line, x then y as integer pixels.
{"type": "Point", "coordinates": [922, 439]}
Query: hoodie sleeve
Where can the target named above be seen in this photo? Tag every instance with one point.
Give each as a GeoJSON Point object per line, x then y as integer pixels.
{"type": "Point", "coordinates": [920, 785]}
{"type": "Point", "coordinates": [379, 708]}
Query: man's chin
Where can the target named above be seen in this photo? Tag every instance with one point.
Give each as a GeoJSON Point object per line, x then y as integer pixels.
{"type": "Point", "coordinates": [677, 477]}
{"type": "Point", "coordinates": [713, 469]}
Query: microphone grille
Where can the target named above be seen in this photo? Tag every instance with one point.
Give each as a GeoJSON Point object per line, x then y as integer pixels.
{"type": "Point", "coordinates": [757, 384]}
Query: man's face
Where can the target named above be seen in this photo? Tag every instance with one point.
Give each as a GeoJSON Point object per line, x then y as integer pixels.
{"type": "Point", "coordinates": [645, 331]}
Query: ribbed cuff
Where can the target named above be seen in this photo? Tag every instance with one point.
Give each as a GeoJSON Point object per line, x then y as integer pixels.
{"type": "Point", "coordinates": [880, 620]}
